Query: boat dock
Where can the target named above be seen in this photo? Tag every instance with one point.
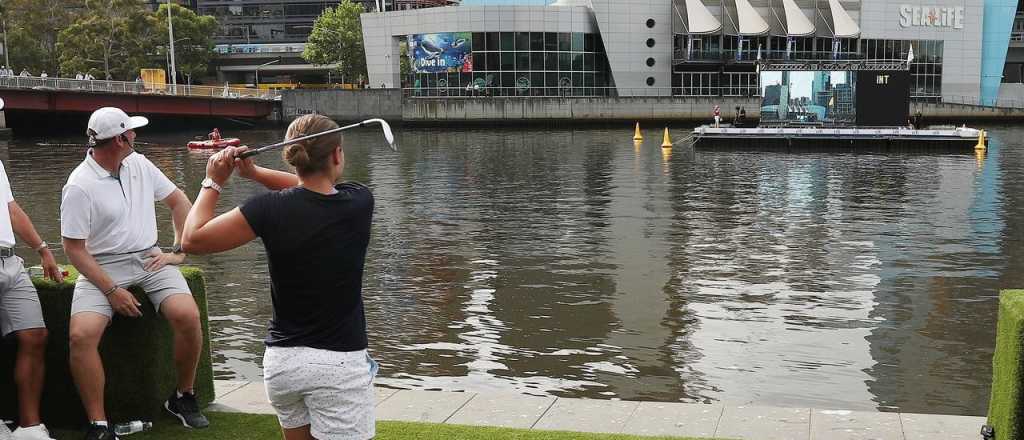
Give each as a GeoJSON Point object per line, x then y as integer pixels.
{"type": "Point", "coordinates": [938, 139]}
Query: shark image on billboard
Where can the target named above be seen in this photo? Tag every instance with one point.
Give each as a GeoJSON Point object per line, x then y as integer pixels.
{"type": "Point", "coordinates": [442, 52]}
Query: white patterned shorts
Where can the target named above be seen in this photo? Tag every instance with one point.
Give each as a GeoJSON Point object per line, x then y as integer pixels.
{"type": "Point", "coordinates": [332, 391]}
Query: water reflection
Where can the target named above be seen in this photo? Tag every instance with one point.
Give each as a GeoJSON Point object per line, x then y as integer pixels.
{"type": "Point", "coordinates": [571, 263]}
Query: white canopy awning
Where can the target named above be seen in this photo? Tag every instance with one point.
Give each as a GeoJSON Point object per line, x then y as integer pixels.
{"type": "Point", "coordinates": [797, 24]}
{"type": "Point", "coordinates": [844, 26]}
{"type": "Point", "coordinates": [699, 18]}
{"type": "Point", "coordinates": [750, 22]}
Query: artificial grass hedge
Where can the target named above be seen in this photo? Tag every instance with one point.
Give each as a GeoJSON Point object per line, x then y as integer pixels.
{"type": "Point", "coordinates": [1006, 407]}
{"type": "Point", "coordinates": [138, 358]}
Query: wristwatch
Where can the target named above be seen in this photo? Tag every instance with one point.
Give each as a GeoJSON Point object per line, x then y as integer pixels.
{"type": "Point", "coordinates": [176, 249]}
{"type": "Point", "coordinates": [41, 246]}
{"type": "Point", "coordinates": [209, 183]}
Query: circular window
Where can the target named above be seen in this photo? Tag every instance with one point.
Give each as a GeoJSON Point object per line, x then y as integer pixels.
{"type": "Point", "coordinates": [650, 62]}
{"type": "Point", "coordinates": [650, 80]}
{"type": "Point", "coordinates": [650, 22]}
{"type": "Point", "coordinates": [650, 42]}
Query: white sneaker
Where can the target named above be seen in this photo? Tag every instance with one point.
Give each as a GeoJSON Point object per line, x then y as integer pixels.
{"type": "Point", "coordinates": [37, 432]}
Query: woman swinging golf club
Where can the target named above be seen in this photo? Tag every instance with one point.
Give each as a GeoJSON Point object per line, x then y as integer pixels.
{"type": "Point", "coordinates": [318, 375]}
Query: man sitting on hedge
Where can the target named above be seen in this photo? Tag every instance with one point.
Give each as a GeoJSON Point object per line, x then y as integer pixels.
{"type": "Point", "coordinates": [108, 224]}
{"type": "Point", "coordinates": [20, 312]}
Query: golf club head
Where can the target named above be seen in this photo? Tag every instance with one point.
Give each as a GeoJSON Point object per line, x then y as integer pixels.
{"type": "Point", "coordinates": [389, 136]}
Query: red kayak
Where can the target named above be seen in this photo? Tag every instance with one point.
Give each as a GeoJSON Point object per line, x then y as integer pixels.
{"type": "Point", "coordinates": [212, 145]}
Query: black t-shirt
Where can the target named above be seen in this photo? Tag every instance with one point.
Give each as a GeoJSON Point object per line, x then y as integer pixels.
{"type": "Point", "coordinates": [316, 249]}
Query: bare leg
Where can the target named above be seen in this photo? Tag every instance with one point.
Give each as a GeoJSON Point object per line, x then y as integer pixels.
{"type": "Point", "coordinates": [300, 433]}
{"type": "Point", "coordinates": [86, 366]}
{"type": "Point", "coordinates": [29, 367]}
{"type": "Point", "coordinates": [183, 315]}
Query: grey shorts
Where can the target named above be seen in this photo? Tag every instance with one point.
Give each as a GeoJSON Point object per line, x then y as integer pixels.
{"type": "Point", "coordinates": [127, 271]}
{"type": "Point", "coordinates": [331, 391]}
{"type": "Point", "coordinates": [19, 301]}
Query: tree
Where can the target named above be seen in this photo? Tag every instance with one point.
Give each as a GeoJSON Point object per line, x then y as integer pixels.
{"type": "Point", "coordinates": [116, 36]}
{"type": "Point", "coordinates": [32, 28]}
{"type": "Point", "coordinates": [337, 37]}
{"type": "Point", "coordinates": [193, 52]}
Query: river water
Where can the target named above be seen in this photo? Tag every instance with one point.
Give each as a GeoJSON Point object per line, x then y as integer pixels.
{"type": "Point", "coordinates": [569, 262]}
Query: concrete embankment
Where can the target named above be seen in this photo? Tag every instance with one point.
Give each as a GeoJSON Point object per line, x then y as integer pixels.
{"type": "Point", "coordinates": [354, 105]}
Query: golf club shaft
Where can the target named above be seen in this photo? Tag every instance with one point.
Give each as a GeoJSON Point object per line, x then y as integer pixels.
{"type": "Point", "coordinates": [259, 150]}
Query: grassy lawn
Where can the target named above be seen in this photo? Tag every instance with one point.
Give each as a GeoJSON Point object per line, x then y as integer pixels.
{"type": "Point", "coordinates": [228, 426]}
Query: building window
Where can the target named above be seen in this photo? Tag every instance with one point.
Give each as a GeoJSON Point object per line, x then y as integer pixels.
{"type": "Point", "coordinates": [925, 69]}
{"type": "Point", "coordinates": [650, 42]}
{"type": "Point", "coordinates": [650, 81]}
{"type": "Point", "coordinates": [650, 62]}
{"type": "Point", "coordinates": [650, 23]}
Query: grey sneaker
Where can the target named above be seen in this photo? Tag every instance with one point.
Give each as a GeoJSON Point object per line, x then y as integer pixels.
{"type": "Point", "coordinates": [186, 409]}
{"type": "Point", "coordinates": [97, 432]}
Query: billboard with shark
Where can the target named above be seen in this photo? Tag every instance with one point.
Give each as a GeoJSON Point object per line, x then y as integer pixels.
{"type": "Point", "coordinates": [443, 52]}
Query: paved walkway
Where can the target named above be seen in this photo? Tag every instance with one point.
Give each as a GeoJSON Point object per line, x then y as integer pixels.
{"type": "Point", "coordinates": [626, 417]}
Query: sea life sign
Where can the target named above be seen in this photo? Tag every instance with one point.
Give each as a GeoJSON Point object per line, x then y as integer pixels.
{"type": "Point", "coordinates": [932, 16]}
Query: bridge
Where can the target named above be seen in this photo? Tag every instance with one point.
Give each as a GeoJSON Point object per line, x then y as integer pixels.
{"type": "Point", "coordinates": [26, 93]}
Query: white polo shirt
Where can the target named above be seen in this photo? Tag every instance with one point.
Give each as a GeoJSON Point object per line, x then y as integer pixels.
{"type": "Point", "coordinates": [114, 215]}
{"type": "Point", "coordinates": [6, 197]}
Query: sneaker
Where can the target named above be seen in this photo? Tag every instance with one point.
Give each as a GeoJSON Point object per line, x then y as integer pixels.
{"type": "Point", "coordinates": [38, 432]}
{"type": "Point", "coordinates": [186, 409]}
{"type": "Point", "coordinates": [97, 432]}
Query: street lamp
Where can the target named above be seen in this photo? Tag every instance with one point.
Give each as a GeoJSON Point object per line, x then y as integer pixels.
{"type": "Point", "coordinates": [170, 60]}
{"type": "Point", "coordinates": [258, 71]}
{"type": "Point", "coordinates": [170, 38]}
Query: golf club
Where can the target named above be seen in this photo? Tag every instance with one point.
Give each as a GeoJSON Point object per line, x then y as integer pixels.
{"type": "Point", "coordinates": [388, 136]}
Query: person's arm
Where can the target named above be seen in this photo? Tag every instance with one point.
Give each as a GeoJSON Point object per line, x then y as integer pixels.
{"type": "Point", "coordinates": [272, 179]}
{"type": "Point", "coordinates": [121, 300]}
{"type": "Point", "coordinates": [180, 206]}
{"type": "Point", "coordinates": [23, 227]}
{"type": "Point", "coordinates": [206, 234]}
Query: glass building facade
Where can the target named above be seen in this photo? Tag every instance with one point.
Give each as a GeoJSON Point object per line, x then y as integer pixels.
{"type": "Point", "coordinates": [524, 64]}
{"type": "Point", "coordinates": [724, 65]}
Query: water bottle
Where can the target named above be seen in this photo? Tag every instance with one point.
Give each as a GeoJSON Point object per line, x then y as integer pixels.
{"type": "Point", "coordinates": [132, 427]}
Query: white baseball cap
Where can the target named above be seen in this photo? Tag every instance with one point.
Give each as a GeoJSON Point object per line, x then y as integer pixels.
{"type": "Point", "coordinates": [108, 122]}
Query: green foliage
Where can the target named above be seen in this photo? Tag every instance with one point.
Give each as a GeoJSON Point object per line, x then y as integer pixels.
{"type": "Point", "coordinates": [113, 37]}
{"type": "Point", "coordinates": [406, 67]}
{"type": "Point", "coordinates": [236, 426]}
{"type": "Point", "coordinates": [32, 28]}
{"type": "Point", "coordinates": [193, 53]}
{"type": "Point", "coordinates": [1006, 407]}
{"type": "Point", "coordinates": [337, 37]}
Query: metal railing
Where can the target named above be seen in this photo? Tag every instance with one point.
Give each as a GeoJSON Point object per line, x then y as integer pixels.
{"type": "Point", "coordinates": [747, 55]}
{"type": "Point", "coordinates": [578, 92]}
{"type": "Point", "coordinates": [135, 88]}
{"type": "Point", "coordinates": [974, 100]}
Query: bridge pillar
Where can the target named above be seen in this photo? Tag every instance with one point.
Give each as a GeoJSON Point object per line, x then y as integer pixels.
{"type": "Point", "coordinates": [5, 133]}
